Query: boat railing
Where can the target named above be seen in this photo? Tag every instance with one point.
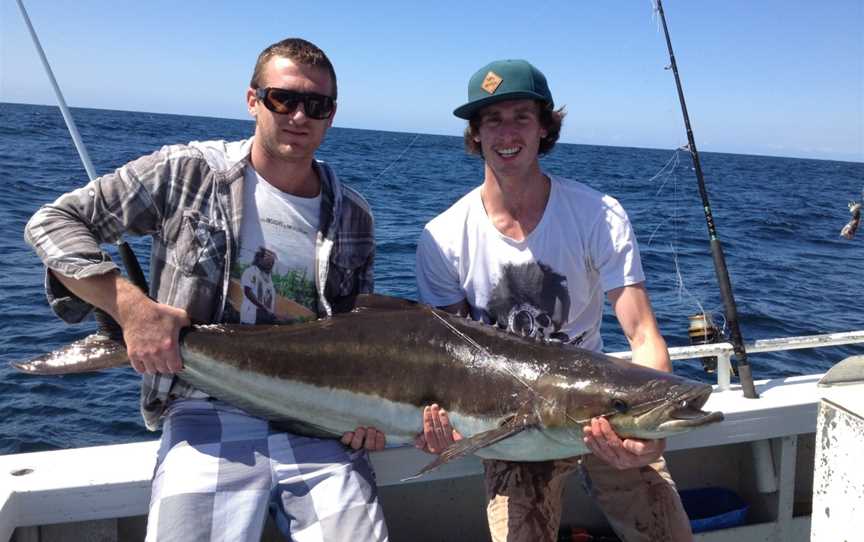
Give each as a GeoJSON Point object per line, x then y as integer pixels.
{"type": "Point", "coordinates": [724, 352]}
{"type": "Point", "coordinates": [762, 455]}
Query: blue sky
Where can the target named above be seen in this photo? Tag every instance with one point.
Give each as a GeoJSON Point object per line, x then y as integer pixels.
{"type": "Point", "coordinates": [774, 77]}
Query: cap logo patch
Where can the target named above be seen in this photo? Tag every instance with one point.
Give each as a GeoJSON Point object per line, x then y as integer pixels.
{"type": "Point", "coordinates": [491, 82]}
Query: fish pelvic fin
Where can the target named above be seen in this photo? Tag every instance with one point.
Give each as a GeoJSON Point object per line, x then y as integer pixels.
{"type": "Point", "coordinates": [848, 371]}
{"type": "Point", "coordinates": [512, 426]}
{"type": "Point", "coordinates": [92, 353]}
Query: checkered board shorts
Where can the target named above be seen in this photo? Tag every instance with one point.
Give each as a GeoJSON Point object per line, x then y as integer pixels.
{"type": "Point", "coordinates": [219, 470]}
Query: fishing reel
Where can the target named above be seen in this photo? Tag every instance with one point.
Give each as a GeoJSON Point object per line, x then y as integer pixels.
{"type": "Point", "coordinates": [703, 331]}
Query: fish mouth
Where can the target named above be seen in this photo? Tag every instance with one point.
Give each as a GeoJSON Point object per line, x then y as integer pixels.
{"type": "Point", "coordinates": [686, 412]}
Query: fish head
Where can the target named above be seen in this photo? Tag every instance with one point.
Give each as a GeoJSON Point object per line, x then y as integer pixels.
{"type": "Point", "coordinates": [638, 402]}
{"type": "Point", "coordinates": [662, 408]}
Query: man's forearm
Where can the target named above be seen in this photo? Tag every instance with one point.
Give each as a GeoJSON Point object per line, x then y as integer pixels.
{"type": "Point", "coordinates": [652, 352]}
{"type": "Point", "coordinates": [150, 329]}
{"type": "Point", "coordinates": [110, 292]}
{"type": "Point", "coordinates": [633, 310]}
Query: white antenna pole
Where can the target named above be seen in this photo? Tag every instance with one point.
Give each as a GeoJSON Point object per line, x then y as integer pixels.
{"type": "Point", "coordinates": [70, 122]}
{"type": "Point", "coordinates": [133, 269]}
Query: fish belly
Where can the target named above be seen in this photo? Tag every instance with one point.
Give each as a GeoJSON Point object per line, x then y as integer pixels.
{"type": "Point", "coordinates": [330, 410]}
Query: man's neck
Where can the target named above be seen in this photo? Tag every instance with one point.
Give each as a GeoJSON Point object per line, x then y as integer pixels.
{"type": "Point", "coordinates": [297, 178]}
{"type": "Point", "coordinates": [515, 205]}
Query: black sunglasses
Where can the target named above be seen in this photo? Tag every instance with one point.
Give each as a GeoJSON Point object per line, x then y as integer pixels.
{"type": "Point", "coordinates": [285, 102]}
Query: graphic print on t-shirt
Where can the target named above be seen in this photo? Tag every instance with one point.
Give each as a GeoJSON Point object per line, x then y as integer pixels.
{"type": "Point", "coordinates": [259, 296]}
{"type": "Point", "coordinates": [273, 276]}
{"type": "Point", "coordinates": [530, 299]}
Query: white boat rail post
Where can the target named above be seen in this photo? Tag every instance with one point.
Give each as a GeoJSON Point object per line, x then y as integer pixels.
{"type": "Point", "coordinates": [724, 371]}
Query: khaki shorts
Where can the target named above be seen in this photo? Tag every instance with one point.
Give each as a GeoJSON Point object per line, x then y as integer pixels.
{"type": "Point", "coordinates": [641, 505]}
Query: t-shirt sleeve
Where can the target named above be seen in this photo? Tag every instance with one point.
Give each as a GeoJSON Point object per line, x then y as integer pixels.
{"type": "Point", "coordinates": [249, 277]}
{"type": "Point", "coordinates": [437, 277]}
{"type": "Point", "coordinates": [614, 249]}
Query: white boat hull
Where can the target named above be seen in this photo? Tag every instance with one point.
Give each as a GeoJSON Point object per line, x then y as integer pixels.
{"type": "Point", "coordinates": [102, 484]}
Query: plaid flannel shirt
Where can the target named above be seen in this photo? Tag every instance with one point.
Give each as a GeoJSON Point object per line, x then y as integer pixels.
{"type": "Point", "coordinates": [189, 199]}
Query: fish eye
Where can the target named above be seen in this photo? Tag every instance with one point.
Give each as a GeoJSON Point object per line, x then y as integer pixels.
{"type": "Point", "coordinates": [620, 406]}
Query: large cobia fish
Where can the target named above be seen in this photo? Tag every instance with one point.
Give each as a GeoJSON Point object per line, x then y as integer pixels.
{"type": "Point", "coordinates": [511, 397]}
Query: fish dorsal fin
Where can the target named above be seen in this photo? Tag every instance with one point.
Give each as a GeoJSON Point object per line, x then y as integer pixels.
{"type": "Point", "coordinates": [378, 301]}
{"type": "Point", "coordinates": [512, 426]}
{"type": "Point", "coordinates": [848, 371]}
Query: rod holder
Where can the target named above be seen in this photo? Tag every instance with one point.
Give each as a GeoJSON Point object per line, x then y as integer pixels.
{"type": "Point", "coordinates": [763, 464]}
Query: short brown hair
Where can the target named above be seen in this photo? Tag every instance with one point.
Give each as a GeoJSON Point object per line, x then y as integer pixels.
{"type": "Point", "coordinates": [550, 120]}
{"type": "Point", "coordinates": [297, 50]}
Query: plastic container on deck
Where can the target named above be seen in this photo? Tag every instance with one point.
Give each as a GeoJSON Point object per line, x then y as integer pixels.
{"type": "Point", "coordinates": [713, 508]}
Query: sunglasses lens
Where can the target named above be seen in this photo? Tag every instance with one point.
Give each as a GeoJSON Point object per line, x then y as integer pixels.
{"type": "Point", "coordinates": [285, 102]}
{"type": "Point", "coordinates": [281, 102]}
{"type": "Point", "coordinates": [314, 107]}
{"type": "Point", "coordinates": [318, 106]}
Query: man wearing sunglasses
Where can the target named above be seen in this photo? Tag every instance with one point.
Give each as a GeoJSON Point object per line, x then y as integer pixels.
{"type": "Point", "coordinates": [210, 207]}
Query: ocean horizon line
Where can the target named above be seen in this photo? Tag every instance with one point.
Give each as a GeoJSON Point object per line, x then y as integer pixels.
{"type": "Point", "coordinates": [458, 136]}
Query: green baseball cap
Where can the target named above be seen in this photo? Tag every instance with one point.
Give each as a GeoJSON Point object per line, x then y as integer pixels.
{"type": "Point", "coordinates": [504, 80]}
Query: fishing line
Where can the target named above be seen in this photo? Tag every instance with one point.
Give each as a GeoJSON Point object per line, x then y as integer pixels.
{"type": "Point", "coordinates": [667, 172]}
{"type": "Point", "coordinates": [710, 316]}
{"type": "Point", "coordinates": [663, 176]}
{"type": "Point", "coordinates": [504, 367]}
{"type": "Point", "coordinates": [416, 136]}
{"type": "Point", "coordinates": [479, 347]}
{"type": "Point", "coordinates": [723, 281]}
{"type": "Point", "coordinates": [682, 289]}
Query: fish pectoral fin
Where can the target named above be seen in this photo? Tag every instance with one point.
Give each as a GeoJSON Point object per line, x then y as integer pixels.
{"type": "Point", "coordinates": [461, 448]}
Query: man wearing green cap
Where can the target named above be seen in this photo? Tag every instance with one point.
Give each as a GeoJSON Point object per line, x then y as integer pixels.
{"type": "Point", "coordinates": [534, 253]}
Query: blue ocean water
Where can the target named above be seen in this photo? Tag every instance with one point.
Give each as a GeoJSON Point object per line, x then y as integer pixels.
{"type": "Point", "coordinates": [778, 218]}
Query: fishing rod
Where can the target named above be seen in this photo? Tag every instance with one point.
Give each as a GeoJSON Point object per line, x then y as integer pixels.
{"type": "Point", "coordinates": [130, 262]}
{"type": "Point", "coordinates": [744, 371]}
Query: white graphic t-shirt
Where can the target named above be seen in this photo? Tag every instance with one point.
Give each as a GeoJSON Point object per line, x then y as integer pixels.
{"type": "Point", "coordinates": [273, 278]}
{"type": "Point", "coordinates": [550, 285]}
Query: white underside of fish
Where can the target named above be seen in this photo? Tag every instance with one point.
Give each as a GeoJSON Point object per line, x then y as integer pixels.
{"type": "Point", "coordinates": [336, 411]}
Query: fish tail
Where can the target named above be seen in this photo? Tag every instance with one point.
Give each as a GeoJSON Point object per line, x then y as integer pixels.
{"type": "Point", "coordinates": [92, 353]}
